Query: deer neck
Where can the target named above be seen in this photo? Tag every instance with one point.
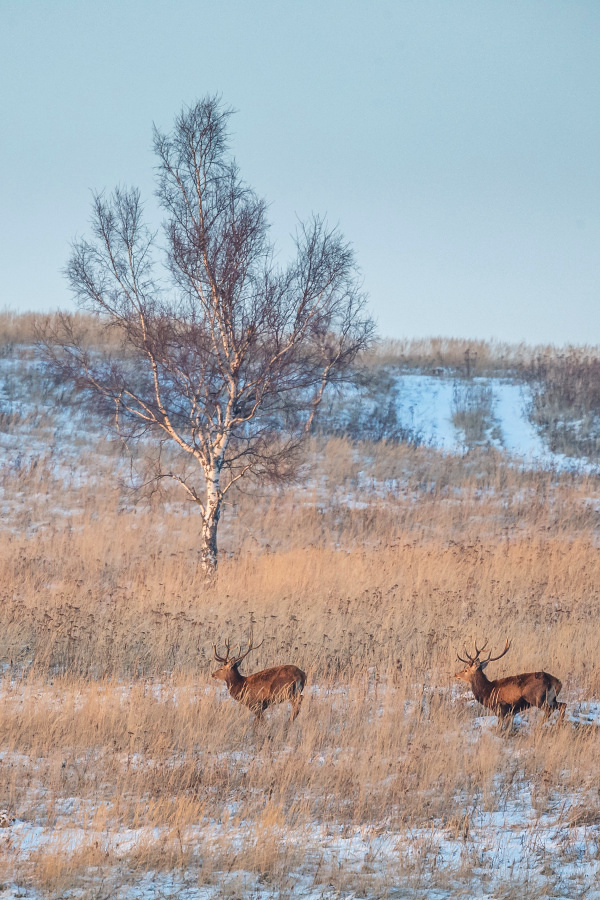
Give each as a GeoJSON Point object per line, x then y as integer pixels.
{"type": "Point", "coordinates": [481, 686]}
{"type": "Point", "coordinates": [235, 682]}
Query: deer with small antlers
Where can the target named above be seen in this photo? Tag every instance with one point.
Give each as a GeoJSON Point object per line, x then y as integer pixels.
{"type": "Point", "coordinates": [507, 696]}
{"type": "Point", "coordinates": [262, 689]}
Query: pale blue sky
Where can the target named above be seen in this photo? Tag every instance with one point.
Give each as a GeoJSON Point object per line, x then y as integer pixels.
{"type": "Point", "coordinates": [456, 142]}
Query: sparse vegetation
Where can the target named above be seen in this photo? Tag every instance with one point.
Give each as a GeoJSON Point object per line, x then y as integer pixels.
{"type": "Point", "coordinates": [473, 413]}
{"type": "Point", "coordinates": [566, 401]}
{"type": "Point", "coordinates": [448, 354]}
{"type": "Point", "coordinates": [369, 410]}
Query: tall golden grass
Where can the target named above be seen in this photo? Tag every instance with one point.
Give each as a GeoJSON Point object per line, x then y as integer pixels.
{"type": "Point", "coordinates": [106, 628]}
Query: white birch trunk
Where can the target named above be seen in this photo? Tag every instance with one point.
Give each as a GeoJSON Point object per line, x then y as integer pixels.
{"type": "Point", "coordinates": [210, 520]}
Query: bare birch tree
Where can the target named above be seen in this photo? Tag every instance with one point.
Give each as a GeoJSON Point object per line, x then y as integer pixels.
{"type": "Point", "coordinates": [222, 354]}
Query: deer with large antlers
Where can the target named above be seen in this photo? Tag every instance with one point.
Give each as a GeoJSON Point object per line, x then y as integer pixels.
{"type": "Point", "coordinates": [507, 696]}
{"type": "Point", "coordinates": [262, 689]}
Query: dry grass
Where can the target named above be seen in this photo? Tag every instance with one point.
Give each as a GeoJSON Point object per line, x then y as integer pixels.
{"type": "Point", "coordinates": [125, 764]}
{"type": "Point", "coordinates": [566, 401]}
{"type": "Point", "coordinates": [112, 727]}
{"type": "Point", "coordinates": [22, 329]}
{"type": "Point", "coordinates": [487, 357]}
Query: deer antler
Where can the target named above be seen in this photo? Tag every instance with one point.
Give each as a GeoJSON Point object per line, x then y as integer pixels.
{"type": "Point", "coordinates": [494, 658]}
{"type": "Point", "coordinates": [471, 659]}
{"type": "Point", "coordinates": [222, 659]}
{"type": "Point", "coordinates": [237, 659]}
{"type": "Point", "coordinates": [479, 651]}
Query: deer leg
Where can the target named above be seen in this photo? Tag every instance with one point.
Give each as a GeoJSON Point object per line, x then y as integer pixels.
{"type": "Point", "coordinates": [506, 719]}
{"type": "Point", "coordinates": [505, 716]}
{"type": "Point", "coordinates": [550, 707]}
{"type": "Point", "coordinates": [296, 702]}
{"type": "Point", "coordinates": [258, 711]}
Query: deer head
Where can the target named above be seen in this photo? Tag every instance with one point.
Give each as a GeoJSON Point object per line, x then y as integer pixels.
{"type": "Point", "coordinates": [475, 664]}
{"type": "Point", "coordinates": [229, 666]}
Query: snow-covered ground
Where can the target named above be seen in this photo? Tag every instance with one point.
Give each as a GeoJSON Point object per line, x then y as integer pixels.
{"type": "Point", "coordinates": [426, 404]}
{"type": "Point", "coordinates": [451, 414]}
{"type": "Point", "coordinates": [504, 851]}
{"type": "Point", "coordinates": [513, 850]}
{"type": "Point", "coordinates": [520, 845]}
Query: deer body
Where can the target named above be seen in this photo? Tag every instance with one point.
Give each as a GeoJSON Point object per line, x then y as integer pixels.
{"type": "Point", "coordinates": [510, 695]}
{"type": "Point", "coordinates": [261, 689]}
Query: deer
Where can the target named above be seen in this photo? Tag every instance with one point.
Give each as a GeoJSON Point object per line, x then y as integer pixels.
{"type": "Point", "coordinates": [510, 695]}
{"type": "Point", "coordinates": [261, 689]}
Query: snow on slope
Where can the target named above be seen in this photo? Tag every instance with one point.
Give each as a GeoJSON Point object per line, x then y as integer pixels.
{"type": "Point", "coordinates": [426, 404]}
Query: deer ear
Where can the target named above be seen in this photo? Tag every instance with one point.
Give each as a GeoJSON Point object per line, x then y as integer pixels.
{"type": "Point", "coordinates": [483, 664]}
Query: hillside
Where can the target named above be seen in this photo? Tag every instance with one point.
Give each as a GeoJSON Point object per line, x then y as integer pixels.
{"type": "Point", "coordinates": [433, 511]}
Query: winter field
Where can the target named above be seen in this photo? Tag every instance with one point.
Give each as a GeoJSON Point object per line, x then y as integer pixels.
{"type": "Point", "coordinates": [127, 772]}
